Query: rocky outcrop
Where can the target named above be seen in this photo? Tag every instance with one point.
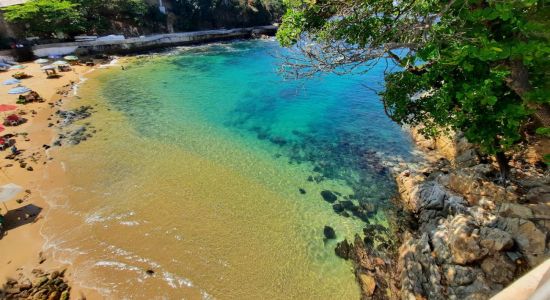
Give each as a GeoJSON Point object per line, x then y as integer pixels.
{"type": "Point", "coordinates": [47, 286]}
{"type": "Point", "coordinates": [452, 145]}
{"type": "Point", "coordinates": [374, 269]}
{"type": "Point", "coordinates": [473, 235]}
{"type": "Point", "coordinates": [467, 236]}
{"type": "Point", "coordinates": [470, 231]}
{"type": "Point", "coordinates": [70, 132]}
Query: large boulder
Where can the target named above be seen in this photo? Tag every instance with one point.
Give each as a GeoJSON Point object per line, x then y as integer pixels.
{"type": "Point", "coordinates": [498, 268]}
{"type": "Point", "coordinates": [539, 194]}
{"type": "Point", "coordinates": [480, 289]}
{"type": "Point", "coordinates": [464, 241]}
{"type": "Point", "coordinates": [419, 195]}
{"type": "Point", "coordinates": [452, 146]}
{"type": "Point", "coordinates": [459, 275]}
{"type": "Point", "coordinates": [473, 187]}
{"type": "Point", "coordinates": [531, 240]}
{"type": "Point", "coordinates": [495, 239]}
{"type": "Point", "coordinates": [514, 210]}
{"type": "Point", "coordinates": [440, 244]}
{"type": "Point", "coordinates": [418, 272]}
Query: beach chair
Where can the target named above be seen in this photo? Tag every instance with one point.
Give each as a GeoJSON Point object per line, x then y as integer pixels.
{"type": "Point", "coordinates": [64, 68]}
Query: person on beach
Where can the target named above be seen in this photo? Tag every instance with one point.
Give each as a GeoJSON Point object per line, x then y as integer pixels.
{"type": "Point", "coordinates": [14, 150]}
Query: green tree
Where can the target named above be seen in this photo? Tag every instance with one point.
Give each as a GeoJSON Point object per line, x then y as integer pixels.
{"type": "Point", "coordinates": [202, 14]}
{"type": "Point", "coordinates": [99, 15]}
{"type": "Point", "coordinates": [476, 66]}
{"type": "Point", "coordinates": [45, 17]}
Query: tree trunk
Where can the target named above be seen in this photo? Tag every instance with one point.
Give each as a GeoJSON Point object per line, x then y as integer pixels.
{"type": "Point", "coordinates": [502, 161]}
{"type": "Point", "coordinates": [519, 83]}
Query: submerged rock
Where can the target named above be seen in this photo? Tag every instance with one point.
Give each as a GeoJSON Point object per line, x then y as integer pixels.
{"type": "Point", "coordinates": [338, 208]}
{"type": "Point", "coordinates": [343, 249]}
{"type": "Point", "coordinates": [329, 196]}
{"type": "Point", "coordinates": [329, 232]}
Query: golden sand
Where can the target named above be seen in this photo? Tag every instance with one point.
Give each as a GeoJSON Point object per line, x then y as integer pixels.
{"type": "Point", "coordinates": [22, 244]}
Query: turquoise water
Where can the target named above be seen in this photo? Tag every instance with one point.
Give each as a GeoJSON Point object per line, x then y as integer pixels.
{"type": "Point", "coordinates": [334, 124]}
{"type": "Point", "coordinates": [208, 167]}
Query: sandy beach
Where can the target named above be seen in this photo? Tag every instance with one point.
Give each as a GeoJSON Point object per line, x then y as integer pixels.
{"type": "Point", "coordinates": [22, 243]}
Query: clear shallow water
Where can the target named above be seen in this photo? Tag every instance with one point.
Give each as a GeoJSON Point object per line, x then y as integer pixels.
{"type": "Point", "coordinates": [195, 173]}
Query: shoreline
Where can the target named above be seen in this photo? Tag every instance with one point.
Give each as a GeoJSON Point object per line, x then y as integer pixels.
{"type": "Point", "coordinates": [411, 182]}
{"type": "Point", "coordinates": [29, 209]}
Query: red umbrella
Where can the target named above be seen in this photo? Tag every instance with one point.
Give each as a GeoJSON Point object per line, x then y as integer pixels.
{"type": "Point", "coordinates": [7, 107]}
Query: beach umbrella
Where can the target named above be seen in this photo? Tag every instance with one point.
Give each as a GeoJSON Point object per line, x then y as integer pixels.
{"type": "Point", "coordinates": [8, 191]}
{"type": "Point", "coordinates": [60, 63]}
{"type": "Point", "coordinates": [70, 57]}
{"type": "Point", "coordinates": [19, 90]}
{"type": "Point", "coordinates": [17, 67]}
{"type": "Point", "coordinates": [11, 81]}
{"type": "Point", "coordinates": [7, 107]}
{"type": "Point", "coordinates": [41, 61]}
{"type": "Point", "coordinates": [48, 67]}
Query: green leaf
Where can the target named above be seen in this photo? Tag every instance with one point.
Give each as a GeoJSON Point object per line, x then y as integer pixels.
{"type": "Point", "coordinates": [543, 131]}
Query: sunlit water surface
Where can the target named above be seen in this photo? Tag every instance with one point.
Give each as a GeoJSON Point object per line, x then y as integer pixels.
{"type": "Point", "coordinates": [195, 169]}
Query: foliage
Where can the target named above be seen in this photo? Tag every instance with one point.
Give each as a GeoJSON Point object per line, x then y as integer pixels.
{"type": "Point", "coordinates": [477, 66]}
{"type": "Point", "coordinates": [99, 14]}
{"type": "Point", "coordinates": [45, 17]}
{"type": "Point", "coordinates": [199, 14]}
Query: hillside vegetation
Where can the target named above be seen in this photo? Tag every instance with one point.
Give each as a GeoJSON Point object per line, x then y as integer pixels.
{"type": "Point", "coordinates": [57, 18]}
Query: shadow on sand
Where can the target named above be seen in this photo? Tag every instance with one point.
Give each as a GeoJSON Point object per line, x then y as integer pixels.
{"type": "Point", "coordinates": [19, 217]}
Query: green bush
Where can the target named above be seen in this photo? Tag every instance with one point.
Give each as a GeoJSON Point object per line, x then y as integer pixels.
{"type": "Point", "coordinates": [46, 17]}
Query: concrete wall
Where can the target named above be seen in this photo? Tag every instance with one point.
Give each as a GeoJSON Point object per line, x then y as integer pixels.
{"type": "Point", "coordinates": [5, 3]}
{"type": "Point", "coordinates": [133, 45]}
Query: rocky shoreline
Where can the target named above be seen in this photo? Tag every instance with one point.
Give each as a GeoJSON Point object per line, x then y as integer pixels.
{"type": "Point", "coordinates": [458, 233]}
{"type": "Point", "coordinates": [44, 285]}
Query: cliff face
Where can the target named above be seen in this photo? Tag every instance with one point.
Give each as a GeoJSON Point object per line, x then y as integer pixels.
{"type": "Point", "coordinates": [464, 235]}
